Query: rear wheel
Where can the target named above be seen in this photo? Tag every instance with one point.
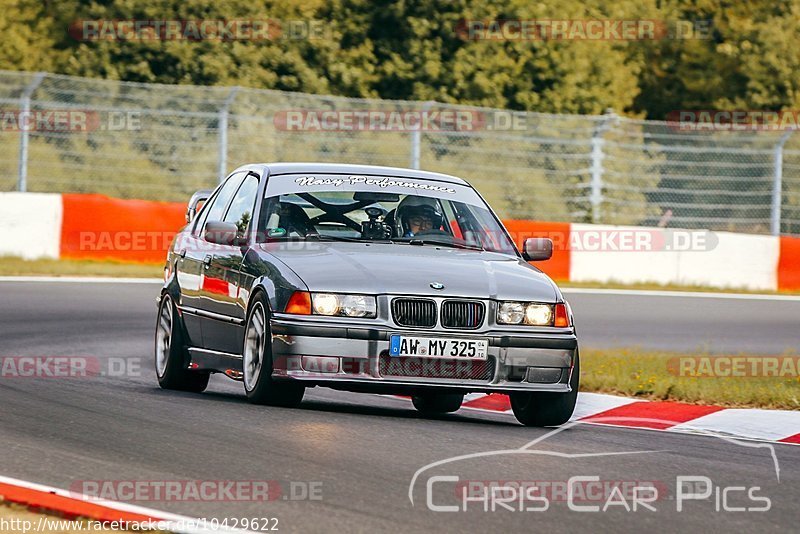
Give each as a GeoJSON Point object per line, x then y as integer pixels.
{"type": "Point", "coordinates": [259, 386]}
{"type": "Point", "coordinates": [547, 409]}
{"type": "Point", "coordinates": [170, 355]}
{"type": "Point", "coordinates": [433, 403]}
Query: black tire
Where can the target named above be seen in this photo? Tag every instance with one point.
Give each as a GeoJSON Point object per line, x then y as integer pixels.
{"type": "Point", "coordinates": [172, 372]}
{"type": "Point", "coordinates": [259, 386]}
{"type": "Point", "coordinates": [547, 409]}
{"type": "Point", "coordinates": [437, 403]}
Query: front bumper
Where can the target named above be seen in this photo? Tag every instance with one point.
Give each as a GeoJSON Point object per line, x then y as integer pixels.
{"type": "Point", "coordinates": [352, 356]}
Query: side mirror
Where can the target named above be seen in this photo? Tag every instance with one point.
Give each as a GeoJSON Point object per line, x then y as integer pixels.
{"type": "Point", "coordinates": [221, 233]}
{"type": "Point", "coordinates": [537, 249]}
{"type": "Point", "coordinates": [196, 202]}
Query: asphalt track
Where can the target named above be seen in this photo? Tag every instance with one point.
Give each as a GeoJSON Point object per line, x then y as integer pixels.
{"type": "Point", "coordinates": [702, 322]}
{"type": "Point", "coordinates": [364, 450]}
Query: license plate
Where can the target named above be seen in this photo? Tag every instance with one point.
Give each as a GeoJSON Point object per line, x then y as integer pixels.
{"type": "Point", "coordinates": [437, 347]}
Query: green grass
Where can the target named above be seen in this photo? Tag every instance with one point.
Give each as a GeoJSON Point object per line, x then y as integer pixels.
{"type": "Point", "coordinates": [12, 266]}
{"type": "Point", "coordinates": [640, 373]}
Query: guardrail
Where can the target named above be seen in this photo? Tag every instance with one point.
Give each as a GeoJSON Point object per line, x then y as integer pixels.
{"type": "Point", "coordinates": [74, 226]}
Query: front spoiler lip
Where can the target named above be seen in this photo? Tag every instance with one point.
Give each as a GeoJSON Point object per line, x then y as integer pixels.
{"type": "Point", "coordinates": [468, 386]}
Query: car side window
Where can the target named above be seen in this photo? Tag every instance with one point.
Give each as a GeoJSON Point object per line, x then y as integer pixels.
{"type": "Point", "coordinates": [217, 208]}
{"type": "Point", "coordinates": [241, 211]}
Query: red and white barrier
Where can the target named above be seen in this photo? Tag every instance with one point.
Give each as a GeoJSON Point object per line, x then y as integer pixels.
{"type": "Point", "coordinates": [30, 225]}
{"type": "Point", "coordinates": [68, 504]}
{"type": "Point", "coordinates": [36, 225]}
{"type": "Point", "coordinates": [639, 255]}
{"type": "Point", "coordinates": [732, 261]}
{"type": "Point", "coordinates": [779, 426]}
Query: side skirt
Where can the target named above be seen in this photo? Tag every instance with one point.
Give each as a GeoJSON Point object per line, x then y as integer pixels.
{"type": "Point", "coordinates": [216, 362]}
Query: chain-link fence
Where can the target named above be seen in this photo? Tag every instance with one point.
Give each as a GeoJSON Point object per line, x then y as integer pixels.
{"type": "Point", "coordinates": [133, 140]}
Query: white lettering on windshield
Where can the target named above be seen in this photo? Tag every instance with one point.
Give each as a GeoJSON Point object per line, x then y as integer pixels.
{"type": "Point", "coordinates": [377, 182]}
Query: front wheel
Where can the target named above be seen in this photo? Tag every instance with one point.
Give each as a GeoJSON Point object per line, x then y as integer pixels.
{"type": "Point", "coordinates": [544, 408]}
{"type": "Point", "coordinates": [435, 403]}
{"type": "Point", "coordinates": [170, 355]}
{"type": "Point", "coordinates": [259, 386]}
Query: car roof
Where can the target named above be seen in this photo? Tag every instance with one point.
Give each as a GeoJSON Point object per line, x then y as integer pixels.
{"type": "Point", "coordinates": [276, 169]}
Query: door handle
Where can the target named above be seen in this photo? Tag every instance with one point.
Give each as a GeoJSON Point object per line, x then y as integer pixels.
{"type": "Point", "coordinates": [207, 261]}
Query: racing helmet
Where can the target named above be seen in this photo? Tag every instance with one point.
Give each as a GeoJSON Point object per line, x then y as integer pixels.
{"type": "Point", "coordinates": [417, 206]}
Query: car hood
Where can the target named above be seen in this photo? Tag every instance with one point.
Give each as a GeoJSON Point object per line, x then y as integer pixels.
{"type": "Point", "coordinates": [378, 268]}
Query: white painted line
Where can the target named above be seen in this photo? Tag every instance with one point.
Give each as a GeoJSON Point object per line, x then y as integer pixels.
{"type": "Point", "coordinates": [688, 294]}
{"type": "Point", "coordinates": [81, 279]}
{"type": "Point", "coordinates": [768, 426]}
{"type": "Point", "coordinates": [130, 508]}
{"type": "Point", "coordinates": [472, 396]}
{"type": "Point", "coordinates": [589, 404]}
{"type": "Point", "coordinates": [752, 423]}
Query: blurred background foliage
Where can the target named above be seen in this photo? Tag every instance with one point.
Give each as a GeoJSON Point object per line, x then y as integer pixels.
{"type": "Point", "coordinates": [410, 50]}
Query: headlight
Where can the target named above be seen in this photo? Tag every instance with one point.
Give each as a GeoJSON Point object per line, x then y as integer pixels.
{"type": "Point", "coordinates": [358, 306]}
{"type": "Point", "coordinates": [532, 314]}
{"type": "Point", "coordinates": [325, 303]}
{"type": "Point", "coordinates": [510, 313]}
{"type": "Point", "coordinates": [538, 314]}
{"type": "Point", "coordinates": [343, 305]}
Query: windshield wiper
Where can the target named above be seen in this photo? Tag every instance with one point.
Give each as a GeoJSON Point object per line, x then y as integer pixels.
{"type": "Point", "coordinates": [419, 242]}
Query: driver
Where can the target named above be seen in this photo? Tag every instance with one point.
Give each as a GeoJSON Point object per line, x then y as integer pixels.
{"type": "Point", "coordinates": [417, 214]}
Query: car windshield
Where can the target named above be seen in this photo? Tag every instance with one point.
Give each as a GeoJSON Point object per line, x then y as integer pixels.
{"type": "Point", "coordinates": [400, 211]}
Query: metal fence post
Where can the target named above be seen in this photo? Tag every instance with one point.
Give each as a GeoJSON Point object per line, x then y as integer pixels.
{"type": "Point", "coordinates": [223, 134]}
{"type": "Point", "coordinates": [25, 106]}
{"type": "Point", "coordinates": [416, 138]}
{"type": "Point", "coordinates": [597, 155]}
{"type": "Point", "coordinates": [415, 142]}
{"type": "Point", "coordinates": [777, 184]}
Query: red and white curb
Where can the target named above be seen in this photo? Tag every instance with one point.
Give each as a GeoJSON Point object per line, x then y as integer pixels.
{"type": "Point", "coordinates": [779, 426]}
{"type": "Point", "coordinates": [72, 506]}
